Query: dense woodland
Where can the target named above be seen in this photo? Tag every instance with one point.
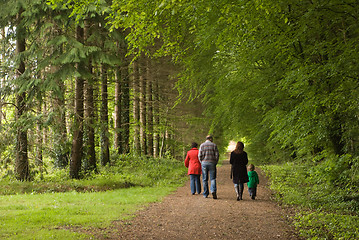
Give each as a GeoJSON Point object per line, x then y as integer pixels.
{"type": "Point", "coordinates": [72, 96]}
{"type": "Point", "coordinates": [119, 88]}
{"type": "Point", "coordinates": [85, 81]}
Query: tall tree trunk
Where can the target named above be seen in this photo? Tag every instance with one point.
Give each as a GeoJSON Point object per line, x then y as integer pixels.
{"type": "Point", "coordinates": [136, 109]}
{"type": "Point", "coordinates": [149, 100]}
{"type": "Point", "coordinates": [2, 80]}
{"type": "Point", "coordinates": [105, 148]}
{"type": "Point", "coordinates": [156, 117]}
{"type": "Point", "coordinates": [60, 146]}
{"type": "Point", "coordinates": [22, 162]}
{"type": "Point", "coordinates": [2, 58]}
{"type": "Point", "coordinates": [60, 132]}
{"type": "Point", "coordinates": [39, 137]}
{"type": "Point", "coordinates": [164, 135]}
{"type": "Point", "coordinates": [89, 112]}
{"type": "Point", "coordinates": [90, 122]}
{"type": "Point", "coordinates": [125, 89]}
{"type": "Point", "coordinates": [122, 103]}
{"type": "Point", "coordinates": [77, 142]}
{"type": "Point", "coordinates": [142, 71]}
{"type": "Point", "coordinates": [118, 112]}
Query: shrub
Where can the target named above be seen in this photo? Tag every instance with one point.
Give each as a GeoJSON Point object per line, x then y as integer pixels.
{"type": "Point", "coordinates": [327, 188]}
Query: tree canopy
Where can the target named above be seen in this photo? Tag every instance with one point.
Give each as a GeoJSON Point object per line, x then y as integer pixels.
{"type": "Point", "coordinates": [280, 74]}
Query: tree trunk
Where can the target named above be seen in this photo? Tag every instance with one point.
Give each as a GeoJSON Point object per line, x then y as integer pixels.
{"type": "Point", "coordinates": [149, 100]}
{"type": "Point", "coordinates": [105, 149]}
{"type": "Point", "coordinates": [156, 118]}
{"type": "Point", "coordinates": [143, 141]}
{"type": "Point", "coordinates": [122, 103]}
{"type": "Point", "coordinates": [77, 142]}
{"type": "Point", "coordinates": [2, 80]}
{"type": "Point", "coordinates": [125, 89]}
{"type": "Point", "coordinates": [39, 137]}
{"type": "Point", "coordinates": [22, 171]}
{"type": "Point", "coordinates": [118, 112]}
{"type": "Point", "coordinates": [89, 123]}
{"type": "Point", "coordinates": [136, 109]}
{"type": "Point", "coordinates": [60, 132]}
{"type": "Point", "coordinates": [90, 164]}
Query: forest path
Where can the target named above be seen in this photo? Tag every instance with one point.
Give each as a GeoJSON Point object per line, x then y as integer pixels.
{"type": "Point", "coordinates": [184, 216]}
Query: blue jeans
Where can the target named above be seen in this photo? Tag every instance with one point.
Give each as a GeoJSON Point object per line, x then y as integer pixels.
{"type": "Point", "coordinates": [195, 181]}
{"type": "Point", "coordinates": [208, 167]}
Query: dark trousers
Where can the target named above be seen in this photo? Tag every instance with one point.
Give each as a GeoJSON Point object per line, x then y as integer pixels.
{"type": "Point", "coordinates": [252, 192]}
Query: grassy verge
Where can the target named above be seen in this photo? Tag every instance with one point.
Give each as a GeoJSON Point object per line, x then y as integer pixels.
{"type": "Point", "coordinates": [325, 210]}
{"type": "Point", "coordinates": [50, 209]}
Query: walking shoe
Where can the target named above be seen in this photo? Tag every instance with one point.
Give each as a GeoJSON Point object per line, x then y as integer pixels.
{"type": "Point", "coordinates": [214, 195]}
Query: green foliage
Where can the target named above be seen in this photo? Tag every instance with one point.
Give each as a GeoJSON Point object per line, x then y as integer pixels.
{"type": "Point", "coordinates": [148, 171]}
{"type": "Point", "coordinates": [278, 73]}
{"type": "Point", "coordinates": [329, 189]}
{"type": "Point", "coordinates": [317, 225]}
{"type": "Point", "coordinates": [127, 172]}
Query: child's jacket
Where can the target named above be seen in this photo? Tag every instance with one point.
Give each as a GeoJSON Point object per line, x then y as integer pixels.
{"type": "Point", "coordinates": [253, 179]}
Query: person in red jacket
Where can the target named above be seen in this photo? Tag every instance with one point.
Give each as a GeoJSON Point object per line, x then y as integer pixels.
{"type": "Point", "coordinates": [194, 169]}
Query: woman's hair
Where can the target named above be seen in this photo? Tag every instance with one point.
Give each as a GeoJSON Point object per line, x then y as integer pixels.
{"type": "Point", "coordinates": [194, 145]}
{"type": "Point", "coordinates": [239, 147]}
{"type": "Point", "coordinates": [251, 167]}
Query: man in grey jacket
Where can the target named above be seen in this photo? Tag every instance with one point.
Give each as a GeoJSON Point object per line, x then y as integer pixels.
{"type": "Point", "coordinates": [208, 155]}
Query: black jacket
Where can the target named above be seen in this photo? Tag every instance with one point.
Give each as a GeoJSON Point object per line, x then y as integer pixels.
{"type": "Point", "coordinates": [239, 167]}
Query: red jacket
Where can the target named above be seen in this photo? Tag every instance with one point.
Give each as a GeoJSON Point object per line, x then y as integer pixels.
{"type": "Point", "coordinates": [192, 162]}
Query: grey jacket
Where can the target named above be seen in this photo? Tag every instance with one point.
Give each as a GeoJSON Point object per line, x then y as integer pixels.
{"type": "Point", "coordinates": [208, 152]}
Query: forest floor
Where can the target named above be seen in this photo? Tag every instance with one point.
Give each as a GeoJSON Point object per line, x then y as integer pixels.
{"type": "Point", "coordinates": [182, 215]}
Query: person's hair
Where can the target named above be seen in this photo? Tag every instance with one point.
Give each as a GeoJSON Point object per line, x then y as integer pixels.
{"type": "Point", "coordinates": [251, 167]}
{"type": "Point", "coordinates": [209, 137]}
{"type": "Point", "coordinates": [194, 145]}
{"type": "Point", "coordinates": [239, 147]}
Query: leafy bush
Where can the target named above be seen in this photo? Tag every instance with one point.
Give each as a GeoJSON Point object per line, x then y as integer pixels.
{"type": "Point", "coordinates": [327, 187]}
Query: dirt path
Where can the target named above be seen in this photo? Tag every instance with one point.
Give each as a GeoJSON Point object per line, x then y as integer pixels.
{"type": "Point", "coordinates": [185, 216]}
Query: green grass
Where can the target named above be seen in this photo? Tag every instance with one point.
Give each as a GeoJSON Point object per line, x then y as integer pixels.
{"type": "Point", "coordinates": [42, 215]}
{"type": "Point", "coordinates": [61, 208]}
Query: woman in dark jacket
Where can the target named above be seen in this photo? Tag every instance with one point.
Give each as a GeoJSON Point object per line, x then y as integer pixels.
{"type": "Point", "coordinates": [239, 161]}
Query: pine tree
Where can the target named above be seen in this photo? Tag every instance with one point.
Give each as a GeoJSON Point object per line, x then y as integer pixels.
{"type": "Point", "coordinates": [77, 142]}
{"type": "Point", "coordinates": [22, 161]}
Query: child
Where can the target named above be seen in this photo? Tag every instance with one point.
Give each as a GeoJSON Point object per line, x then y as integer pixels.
{"type": "Point", "coordinates": [253, 181]}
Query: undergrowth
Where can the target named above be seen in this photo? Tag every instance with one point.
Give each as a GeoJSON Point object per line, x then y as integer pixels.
{"type": "Point", "coordinates": [325, 194]}
{"type": "Point", "coordinates": [126, 171]}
